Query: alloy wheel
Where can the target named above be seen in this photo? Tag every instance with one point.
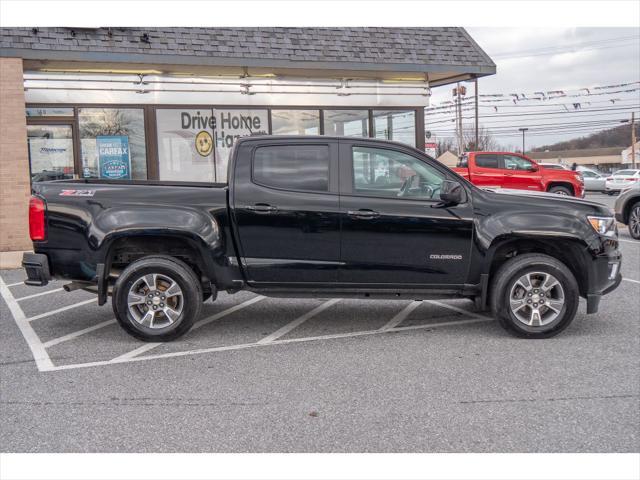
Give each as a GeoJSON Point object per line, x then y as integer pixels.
{"type": "Point", "coordinates": [634, 221]}
{"type": "Point", "coordinates": [536, 299]}
{"type": "Point", "coordinates": [155, 300]}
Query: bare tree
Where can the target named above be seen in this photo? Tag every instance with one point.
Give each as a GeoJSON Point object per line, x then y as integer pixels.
{"type": "Point", "coordinates": [444, 145]}
{"type": "Point", "coordinates": [486, 141]}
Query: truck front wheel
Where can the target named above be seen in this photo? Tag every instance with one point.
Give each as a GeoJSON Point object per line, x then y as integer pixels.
{"type": "Point", "coordinates": [157, 299]}
{"type": "Point", "coordinates": [560, 190]}
{"type": "Point", "coordinates": [534, 296]}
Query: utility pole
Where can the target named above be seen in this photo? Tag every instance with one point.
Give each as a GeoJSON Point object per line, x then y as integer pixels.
{"type": "Point", "coordinates": [633, 140]}
{"type": "Point", "coordinates": [477, 147]}
{"type": "Point", "coordinates": [523, 130]}
{"type": "Point", "coordinates": [458, 92]}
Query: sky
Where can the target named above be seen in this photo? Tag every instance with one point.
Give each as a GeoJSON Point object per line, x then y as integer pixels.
{"type": "Point", "coordinates": [550, 59]}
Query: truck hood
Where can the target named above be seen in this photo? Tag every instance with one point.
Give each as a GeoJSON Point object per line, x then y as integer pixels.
{"type": "Point", "coordinates": [553, 198]}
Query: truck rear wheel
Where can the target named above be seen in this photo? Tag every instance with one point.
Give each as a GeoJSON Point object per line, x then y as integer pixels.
{"type": "Point", "coordinates": [157, 299]}
{"type": "Point", "coordinates": [534, 296]}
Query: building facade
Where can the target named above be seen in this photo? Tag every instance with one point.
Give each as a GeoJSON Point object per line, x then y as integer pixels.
{"type": "Point", "coordinates": [168, 103]}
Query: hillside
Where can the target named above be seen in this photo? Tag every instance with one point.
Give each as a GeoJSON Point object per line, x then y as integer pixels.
{"type": "Point", "coordinates": [613, 137]}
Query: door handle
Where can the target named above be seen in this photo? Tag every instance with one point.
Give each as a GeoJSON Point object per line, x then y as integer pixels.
{"type": "Point", "coordinates": [363, 214]}
{"type": "Point", "coordinates": [508, 174]}
{"type": "Point", "coordinates": [262, 208]}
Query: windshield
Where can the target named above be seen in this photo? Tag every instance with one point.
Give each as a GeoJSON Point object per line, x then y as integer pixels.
{"type": "Point", "coordinates": [626, 173]}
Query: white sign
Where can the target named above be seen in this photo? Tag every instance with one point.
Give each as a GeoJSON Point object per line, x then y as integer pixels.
{"type": "Point", "coordinates": [194, 144]}
{"type": "Point", "coordinates": [431, 149]}
{"type": "Point", "coordinates": [51, 154]}
{"type": "Point", "coordinates": [185, 144]}
{"type": "Point", "coordinates": [231, 125]}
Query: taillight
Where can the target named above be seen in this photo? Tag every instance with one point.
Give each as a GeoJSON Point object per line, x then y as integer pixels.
{"type": "Point", "coordinates": [37, 227]}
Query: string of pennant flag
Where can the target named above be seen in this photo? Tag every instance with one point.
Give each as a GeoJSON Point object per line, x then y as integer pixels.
{"type": "Point", "coordinates": [543, 96]}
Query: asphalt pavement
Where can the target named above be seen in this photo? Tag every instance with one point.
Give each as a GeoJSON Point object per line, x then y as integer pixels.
{"type": "Point", "coordinates": [320, 375]}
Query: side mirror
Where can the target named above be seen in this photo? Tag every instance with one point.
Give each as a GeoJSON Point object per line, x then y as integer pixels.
{"type": "Point", "coordinates": [534, 168]}
{"type": "Point", "coordinates": [452, 193]}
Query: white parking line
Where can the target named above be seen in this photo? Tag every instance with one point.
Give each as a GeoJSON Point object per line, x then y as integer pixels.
{"type": "Point", "coordinates": [275, 342]}
{"type": "Point", "coordinates": [43, 362]}
{"type": "Point", "coordinates": [63, 309]}
{"type": "Point", "coordinates": [77, 333]}
{"type": "Point", "coordinates": [401, 315]}
{"type": "Point", "coordinates": [149, 346]}
{"type": "Point", "coordinates": [631, 280]}
{"type": "Point", "coordinates": [298, 321]}
{"type": "Point", "coordinates": [15, 284]}
{"type": "Point", "coordinates": [634, 242]}
{"type": "Point", "coordinates": [38, 294]}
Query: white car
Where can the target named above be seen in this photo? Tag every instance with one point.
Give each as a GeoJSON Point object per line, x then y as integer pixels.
{"type": "Point", "coordinates": [621, 180]}
{"type": "Point", "coordinates": [554, 166]}
{"type": "Point", "coordinates": [594, 181]}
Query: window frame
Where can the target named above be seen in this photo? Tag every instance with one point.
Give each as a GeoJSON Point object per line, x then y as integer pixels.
{"type": "Point", "coordinates": [333, 166]}
{"type": "Point", "coordinates": [499, 160]}
{"type": "Point", "coordinates": [150, 123]}
{"type": "Point", "coordinates": [347, 187]}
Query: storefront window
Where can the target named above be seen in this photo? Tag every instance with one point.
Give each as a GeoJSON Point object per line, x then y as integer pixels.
{"type": "Point", "coordinates": [399, 126]}
{"type": "Point", "coordinates": [295, 122]}
{"type": "Point", "coordinates": [347, 123]}
{"type": "Point", "coordinates": [50, 152]}
{"type": "Point", "coordinates": [185, 144]}
{"type": "Point", "coordinates": [112, 142]}
{"type": "Point", "coordinates": [231, 124]}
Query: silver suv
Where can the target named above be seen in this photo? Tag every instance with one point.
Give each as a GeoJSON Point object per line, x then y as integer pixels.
{"type": "Point", "coordinates": [627, 209]}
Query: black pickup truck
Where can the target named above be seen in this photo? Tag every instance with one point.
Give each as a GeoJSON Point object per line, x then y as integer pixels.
{"type": "Point", "coordinates": [323, 217]}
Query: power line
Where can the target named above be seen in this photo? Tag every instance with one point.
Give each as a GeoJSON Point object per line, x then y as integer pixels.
{"type": "Point", "coordinates": [565, 50]}
{"type": "Point", "coordinates": [593, 111]}
{"type": "Point", "coordinates": [577, 44]}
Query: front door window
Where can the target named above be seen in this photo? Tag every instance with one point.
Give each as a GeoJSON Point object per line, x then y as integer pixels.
{"type": "Point", "coordinates": [380, 172]}
{"type": "Point", "coordinates": [50, 152]}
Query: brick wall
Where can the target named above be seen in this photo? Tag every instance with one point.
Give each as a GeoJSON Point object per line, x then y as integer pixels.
{"type": "Point", "coordinates": [14, 160]}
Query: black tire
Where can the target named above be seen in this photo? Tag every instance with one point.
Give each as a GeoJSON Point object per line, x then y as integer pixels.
{"type": "Point", "coordinates": [557, 189]}
{"type": "Point", "coordinates": [505, 280]}
{"type": "Point", "coordinates": [167, 267]}
{"type": "Point", "coordinates": [634, 221]}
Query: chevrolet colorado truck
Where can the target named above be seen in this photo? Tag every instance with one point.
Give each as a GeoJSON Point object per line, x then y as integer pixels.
{"type": "Point", "coordinates": [516, 171]}
{"type": "Point", "coordinates": [322, 217]}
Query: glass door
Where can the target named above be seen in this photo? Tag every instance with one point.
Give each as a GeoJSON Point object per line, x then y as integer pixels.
{"type": "Point", "coordinates": [51, 155]}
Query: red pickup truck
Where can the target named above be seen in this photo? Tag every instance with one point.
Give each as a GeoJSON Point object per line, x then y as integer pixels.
{"type": "Point", "coordinates": [516, 171]}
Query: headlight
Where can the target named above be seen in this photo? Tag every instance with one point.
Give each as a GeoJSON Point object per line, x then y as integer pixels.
{"type": "Point", "coordinates": [603, 225]}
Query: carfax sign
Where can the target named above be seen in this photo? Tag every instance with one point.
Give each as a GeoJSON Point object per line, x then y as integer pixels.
{"type": "Point", "coordinates": [114, 161]}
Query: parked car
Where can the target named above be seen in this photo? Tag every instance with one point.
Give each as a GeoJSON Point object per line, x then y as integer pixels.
{"type": "Point", "coordinates": [308, 216]}
{"type": "Point", "coordinates": [593, 181]}
{"type": "Point", "coordinates": [554, 166]}
{"type": "Point", "coordinates": [515, 171]}
{"type": "Point", "coordinates": [621, 180]}
{"type": "Point", "coordinates": [627, 208]}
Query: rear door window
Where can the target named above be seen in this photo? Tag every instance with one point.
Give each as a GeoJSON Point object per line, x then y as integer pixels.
{"type": "Point", "coordinates": [292, 167]}
{"type": "Point", "coordinates": [487, 161]}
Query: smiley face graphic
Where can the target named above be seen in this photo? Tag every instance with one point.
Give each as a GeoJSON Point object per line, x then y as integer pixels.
{"type": "Point", "coordinates": [204, 143]}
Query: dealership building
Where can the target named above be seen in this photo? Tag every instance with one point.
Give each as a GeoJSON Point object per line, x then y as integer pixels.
{"type": "Point", "coordinates": [168, 103]}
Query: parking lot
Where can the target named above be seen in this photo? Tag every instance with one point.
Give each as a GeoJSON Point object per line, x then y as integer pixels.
{"type": "Point", "coordinates": [321, 375]}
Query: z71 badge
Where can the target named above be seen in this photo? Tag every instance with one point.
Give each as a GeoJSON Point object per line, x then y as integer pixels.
{"type": "Point", "coordinates": [77, 193]}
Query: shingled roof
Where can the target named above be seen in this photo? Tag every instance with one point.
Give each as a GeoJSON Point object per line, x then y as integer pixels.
{"type": "Point", "coordinates": [446, 49]}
